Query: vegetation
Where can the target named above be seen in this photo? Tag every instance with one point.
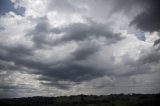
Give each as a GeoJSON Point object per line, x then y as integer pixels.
{"type": "Point", "coordinates": [84, 100]}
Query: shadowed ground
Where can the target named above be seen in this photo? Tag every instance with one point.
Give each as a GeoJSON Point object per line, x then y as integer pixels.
{"type": "Point", "coordinates": [87, 100]}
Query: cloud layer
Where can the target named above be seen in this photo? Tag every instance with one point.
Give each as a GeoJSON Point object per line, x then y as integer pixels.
{"type": "Point", "coordinates": [83, 46]}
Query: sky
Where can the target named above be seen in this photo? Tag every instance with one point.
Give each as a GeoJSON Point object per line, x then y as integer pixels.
{"type": "Point", "coordinates": [71, 47]}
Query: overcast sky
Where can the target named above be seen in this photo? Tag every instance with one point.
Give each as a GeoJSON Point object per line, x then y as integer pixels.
{"type": "Point", "coordinates": [70, 47]}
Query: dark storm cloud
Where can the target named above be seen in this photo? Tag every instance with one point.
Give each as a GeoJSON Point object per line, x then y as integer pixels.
{"type": "Point", "coordinates": [76, 68]}
{"type": "Point", "coordinates": [149, 19]}
{"type": "Point", "coordinates": [65, 70]}
{"type": "Point", "coordinates": [40, 34]}
{"type": "Point", "coordinates": [85, 50]}
{"type": "Point", "coordinates": [13, 57]}
{"type": "Point", "coordinates": [15, 52]}
{"type": "Point", "coordinates": [61, 71]}
{"type": "Point", "coordinates": [80, 32]}
{"type": "Point", "coordinates": [156, 42]}
{"type": "Point", "coordinates": [74, 32]}
{"type": "Point", "coordinates": [70, 72]}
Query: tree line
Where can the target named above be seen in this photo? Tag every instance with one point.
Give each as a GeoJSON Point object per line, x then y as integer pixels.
{"type": "Point", "coordinates": [87, 100]}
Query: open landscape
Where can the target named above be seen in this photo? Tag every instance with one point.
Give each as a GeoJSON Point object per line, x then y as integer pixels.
{"type": "Point", "coordinates": [79, 52]}
{"type": "Point", "coordinates": [87, 100]}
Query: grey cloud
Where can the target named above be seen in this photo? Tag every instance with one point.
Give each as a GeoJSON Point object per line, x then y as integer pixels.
{"type": "Point", "coordinates": [2, 28]}
{"type": "Point", "coordinates": [60, 85]}
{"type": "Point", "coordinates": [61, 6]}
{"type": "Point", "coordinates": [40, 34]}
{"type": "Point", "coordinates": [67, 70]}
{"type": "Point", "coordinates": [70, 72]}
{"type": "Point", "coordinates": [156, 42]}
{"type": "Point", "coordinates": [13, 91]}
{"type": "Point", "coordinates": [149, 20]}
{"type": "Point", "coordinates": [5, 65]}
{"type": "Point", "coordinates": [125, 5]}
{"type": "Point", "coordinates": [85, 50]}
{"type": "Point", "coordinates": [144, 20]}
{"type": "Point", "coordinates": [143, 65]}
{"type": "Point", "coordinates": [75, 70]}
{"type": "Point", "coordinates": [134, 69]}
{"type": "Point", "coordinates": [5, 93]}
{"type": "Point", "coordinates": [80, 32]}
{"type": "Point", "coordinates": [15, 52]}
{"type": "Point", "coordinates": [12, 57]}
{"type": "Point", "coordinates": [60, 71]}
{"type": "Point", "coordinates": [152, 58]}
{"type": "Point", "coordinates": [8, 87]}
{"type": "Point", "coordinates": [74, 32]}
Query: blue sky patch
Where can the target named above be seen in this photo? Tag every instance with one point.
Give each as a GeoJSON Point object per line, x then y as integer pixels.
{"type": "Point", "coordinates": [7, 6]}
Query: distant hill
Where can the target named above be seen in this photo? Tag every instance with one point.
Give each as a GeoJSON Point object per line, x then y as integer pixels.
{"type": "Point", "coordinates": [87, 100]}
